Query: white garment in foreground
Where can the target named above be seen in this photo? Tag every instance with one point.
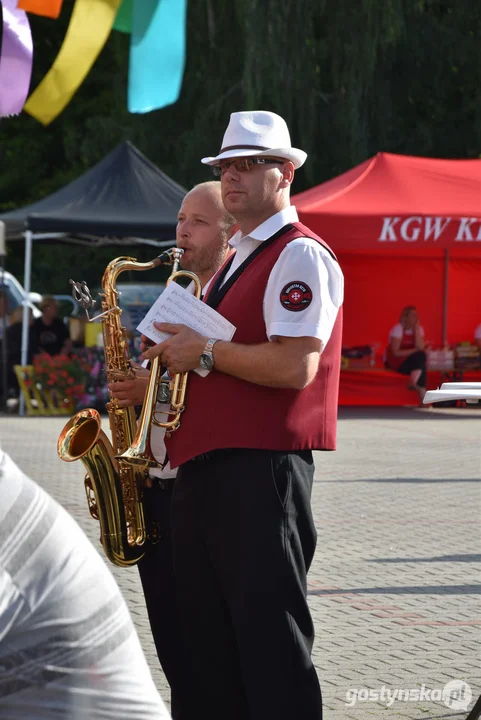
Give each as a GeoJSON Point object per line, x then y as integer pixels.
{"type": "Point", "coordinates": [68, 647]}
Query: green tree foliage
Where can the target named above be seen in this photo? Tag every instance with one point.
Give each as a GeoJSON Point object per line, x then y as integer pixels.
{"type": "Point", "coordinates": [351, 78]}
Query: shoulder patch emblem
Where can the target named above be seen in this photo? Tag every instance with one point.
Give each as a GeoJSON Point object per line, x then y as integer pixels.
{"type": "Point", "coordinates": [296, 296]}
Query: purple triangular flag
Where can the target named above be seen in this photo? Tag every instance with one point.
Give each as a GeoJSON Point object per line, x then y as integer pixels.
{"type": "Point", "coordinates": [15, 59]}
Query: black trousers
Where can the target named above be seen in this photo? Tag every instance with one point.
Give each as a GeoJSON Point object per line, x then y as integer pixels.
{"type": "Point", "coordinates": [158, 582]}
{"type": "Point", "coordinates": [416, 361]}
{"type": "Point", "coordinates": [243, 541]}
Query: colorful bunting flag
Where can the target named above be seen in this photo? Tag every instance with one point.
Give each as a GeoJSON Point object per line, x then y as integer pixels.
{"type": "Point", "coordinates": [15, 59]}
{"type": "Point", "coordinates": [157, 54]}
{"type": "Point", "coordinates": [89, 28]}
{"type": "Point", "coordinates": [47, 8]}
{"type": "Point", "coordinates": [123, 21]}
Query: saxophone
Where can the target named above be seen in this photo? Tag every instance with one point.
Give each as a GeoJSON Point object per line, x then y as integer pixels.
{"type": "Point", "coordinates": [114, 489]}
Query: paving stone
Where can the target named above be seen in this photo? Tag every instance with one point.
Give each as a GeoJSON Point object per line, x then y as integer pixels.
{"type": "Point", "coordinates": [394, 586]}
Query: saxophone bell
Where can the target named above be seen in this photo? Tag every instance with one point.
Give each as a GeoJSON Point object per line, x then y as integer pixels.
{"type": "Point", "coordinates": [83, 439]}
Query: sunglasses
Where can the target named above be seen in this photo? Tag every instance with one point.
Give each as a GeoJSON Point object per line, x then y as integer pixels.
{"type": "Point", "coordinates": [243, 164]}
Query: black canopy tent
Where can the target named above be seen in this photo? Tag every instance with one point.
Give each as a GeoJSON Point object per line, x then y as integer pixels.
{"type": "Point", "coordinates": [124, 199]}
{"type": "Point", "coordinates": [124, 195]}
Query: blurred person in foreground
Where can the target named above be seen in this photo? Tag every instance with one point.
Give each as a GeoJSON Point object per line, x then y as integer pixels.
{"type": "Point", "coordinates": [68, 647]}
{"type": "Point", "coordinates": [203, 231]}
{"type": "Point", "coordinates": [405, 352]}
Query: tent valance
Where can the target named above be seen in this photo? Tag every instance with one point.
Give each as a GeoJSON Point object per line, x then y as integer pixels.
{"type": "Point", "coordinates": [123, 195]}
{"type": "Point", "coordinates": [397, 203]}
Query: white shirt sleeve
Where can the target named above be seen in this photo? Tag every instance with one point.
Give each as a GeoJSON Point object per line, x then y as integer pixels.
{"type": "Point", "coordinates": [396, 331]}
{"type": "Point", "coordinates": [304, 292]}
{"type": "Point", "coordinates": [477, 333]}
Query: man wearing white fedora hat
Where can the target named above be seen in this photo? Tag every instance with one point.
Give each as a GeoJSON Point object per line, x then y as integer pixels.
{"type": "Point", "coordinates": [243, 532]}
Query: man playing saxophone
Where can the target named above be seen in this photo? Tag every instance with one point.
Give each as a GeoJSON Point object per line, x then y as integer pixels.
{"type": "Point", "coordinates": [203, 231]}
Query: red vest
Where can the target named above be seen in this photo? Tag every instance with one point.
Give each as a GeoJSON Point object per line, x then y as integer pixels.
{"type": "Point", "coordinates": [225, 412]}
{"type": "Point", "coordinates": [407, 343]}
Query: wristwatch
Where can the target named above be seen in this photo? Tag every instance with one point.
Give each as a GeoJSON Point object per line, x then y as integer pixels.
{"type": "Point", "coordinates": [207, 358]}
{"type": "Point", "coordinates": [164, 391]}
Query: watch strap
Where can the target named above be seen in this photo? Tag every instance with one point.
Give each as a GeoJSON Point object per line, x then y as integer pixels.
{"type": "Point", "coordinates": [209, 346]}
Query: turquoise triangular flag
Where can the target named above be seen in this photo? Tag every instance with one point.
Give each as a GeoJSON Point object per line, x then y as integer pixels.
{"type": "Point", "coordinates": [157, 53]}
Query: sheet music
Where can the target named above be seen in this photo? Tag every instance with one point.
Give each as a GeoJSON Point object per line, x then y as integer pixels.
{"type": "Point", "coordinates": [177, 305]}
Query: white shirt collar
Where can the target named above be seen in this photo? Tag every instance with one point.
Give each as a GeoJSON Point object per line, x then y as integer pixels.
{"type": "Point", "coordinates": [206, 286]}
{"type": "Point", "coordinates": [269, 227]}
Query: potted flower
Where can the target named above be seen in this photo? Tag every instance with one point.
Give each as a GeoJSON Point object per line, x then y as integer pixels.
{"type": "Point", "coordinates": [61, 378]}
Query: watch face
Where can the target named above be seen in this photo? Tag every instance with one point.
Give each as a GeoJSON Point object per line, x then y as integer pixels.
{"type": "Point", "coordinates": [206, 361]}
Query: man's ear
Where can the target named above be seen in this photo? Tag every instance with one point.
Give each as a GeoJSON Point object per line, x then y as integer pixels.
{"type": "Point", "coordinates": [287, 174]}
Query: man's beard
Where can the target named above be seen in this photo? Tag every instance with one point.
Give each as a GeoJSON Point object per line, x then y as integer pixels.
{"type": "Point", "coordinates": [205, 259]}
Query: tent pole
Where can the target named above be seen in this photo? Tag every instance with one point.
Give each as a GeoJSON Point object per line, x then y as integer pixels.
{"type": "Point", "coordinates": [445, 297]}
{"type": "Point", "coordinates": [25, 317]}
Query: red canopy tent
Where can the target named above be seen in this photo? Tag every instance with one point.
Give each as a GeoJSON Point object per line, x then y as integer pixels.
{"type": "Point", "coordinates": [407, 231]}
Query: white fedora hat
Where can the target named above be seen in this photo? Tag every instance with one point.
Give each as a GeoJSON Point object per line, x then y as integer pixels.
{"type": "Point", "coordinates": [257, 133]}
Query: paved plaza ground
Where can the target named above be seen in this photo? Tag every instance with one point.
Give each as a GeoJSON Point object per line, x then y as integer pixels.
{"type": "Point", "coordinates": [394, 588]}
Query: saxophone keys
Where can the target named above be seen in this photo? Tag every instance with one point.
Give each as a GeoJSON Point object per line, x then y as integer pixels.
{"type": "Point", "coordinates": [91, 500]}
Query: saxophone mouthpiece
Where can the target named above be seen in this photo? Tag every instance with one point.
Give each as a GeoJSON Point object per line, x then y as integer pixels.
{"type": "Point", "coordinates": [168, 257]}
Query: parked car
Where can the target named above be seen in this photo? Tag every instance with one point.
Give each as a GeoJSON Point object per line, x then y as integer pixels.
{"type": "Point", "coordinates": [16, 294]}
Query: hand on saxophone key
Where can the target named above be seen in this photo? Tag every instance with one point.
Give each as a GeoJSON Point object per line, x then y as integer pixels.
{"type": "Point", "coordinates": [145, 343]}
{"type": "Point", "coordinates": [129, 392]}
{"type": "Point", "coordinates": [179, 353]}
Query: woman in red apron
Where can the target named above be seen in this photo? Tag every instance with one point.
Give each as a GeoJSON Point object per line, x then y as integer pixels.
{"type": "Point", "coordinates": [405, 353]}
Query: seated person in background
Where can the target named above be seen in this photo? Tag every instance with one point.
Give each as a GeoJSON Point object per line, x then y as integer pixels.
{"type": "Point", "coordinates": [49, 333]}
{"type": "Point", "coordinates": [477, 337]}
{"type": "Point", "coordinates": [405, 352]}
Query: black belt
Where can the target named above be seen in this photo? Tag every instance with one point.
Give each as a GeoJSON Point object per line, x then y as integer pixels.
{"type": "Point", "coordinates": [161, 483]}
{"type": "Point", "coordinates": [204, 457]}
